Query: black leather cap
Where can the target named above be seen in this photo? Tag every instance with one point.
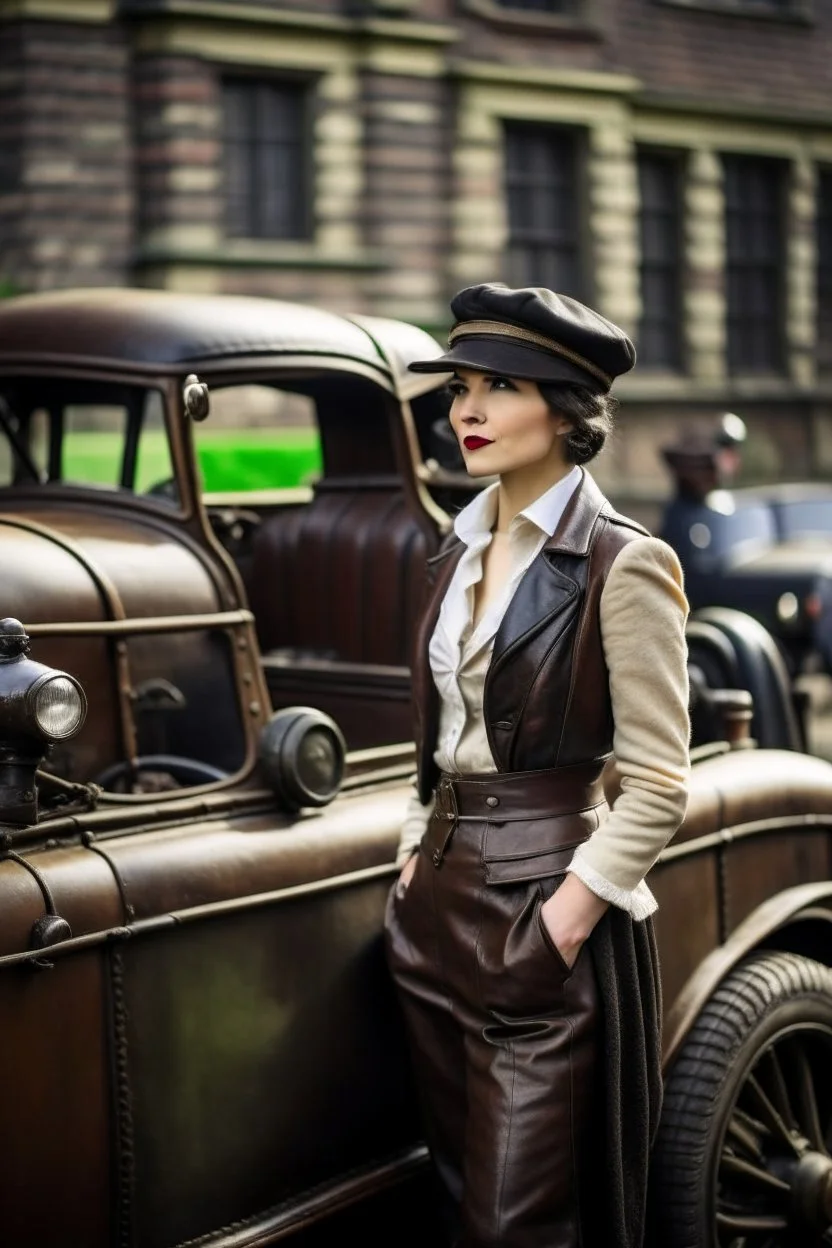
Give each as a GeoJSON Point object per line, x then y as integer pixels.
{"type": "Point", "coordinates": [534, 334]}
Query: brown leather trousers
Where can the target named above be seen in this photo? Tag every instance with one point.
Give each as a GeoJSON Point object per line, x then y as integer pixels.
{"type": "Point", "coordinates": [504, 1036]}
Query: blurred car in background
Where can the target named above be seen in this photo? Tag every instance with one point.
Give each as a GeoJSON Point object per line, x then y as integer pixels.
{"type": "Point", "coordinates": [764, 550]}
{"type": "Point", "coordinates": [204, 764]}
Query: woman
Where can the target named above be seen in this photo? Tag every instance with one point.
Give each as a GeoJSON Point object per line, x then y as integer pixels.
{"type": "Point", "coordinates": [519, 932]}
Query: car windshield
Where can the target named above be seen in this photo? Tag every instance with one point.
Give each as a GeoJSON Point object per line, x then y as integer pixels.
{"type": "Point", "coordinates": [726, 532]}
{"type": "Point", "coordinates": [258, 437]}
{"type": "Point", "coordinates": [107, 435]}
{"type": "Point", "coordinates": [797, 517]}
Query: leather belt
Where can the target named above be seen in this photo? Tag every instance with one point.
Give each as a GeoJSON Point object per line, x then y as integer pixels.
{"type": "Point", "coordinates": [510, 795]}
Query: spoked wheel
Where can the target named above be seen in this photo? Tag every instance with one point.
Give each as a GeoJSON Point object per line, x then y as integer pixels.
{"type": "Point", "coordinates": [743, 1158]}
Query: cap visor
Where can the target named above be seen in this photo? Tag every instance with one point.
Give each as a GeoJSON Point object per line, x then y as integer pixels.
{"type": "Point", "coordinates": [509, 359]}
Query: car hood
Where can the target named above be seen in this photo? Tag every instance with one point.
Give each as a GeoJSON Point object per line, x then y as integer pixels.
{"type": "Point", "coordinates": [809, 556]}
{"type": "Point", "coordinates": [62, 565]}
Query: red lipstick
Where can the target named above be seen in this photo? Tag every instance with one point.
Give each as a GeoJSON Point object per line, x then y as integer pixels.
{"type": "Point", "coordinates": [473, 443]}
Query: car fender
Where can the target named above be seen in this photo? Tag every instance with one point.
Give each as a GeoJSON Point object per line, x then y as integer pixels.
{"type": "Point", "coordinates": [779, 914]}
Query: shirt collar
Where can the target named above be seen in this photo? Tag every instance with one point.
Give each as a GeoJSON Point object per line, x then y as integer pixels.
{"type": "Point", "coordinates": [478, 518]}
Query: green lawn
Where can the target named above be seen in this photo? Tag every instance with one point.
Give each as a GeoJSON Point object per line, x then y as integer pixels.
{"type": "Point", "coordinates": [229, 459]}
{"type": "Point", "coordinates": [257, 459]}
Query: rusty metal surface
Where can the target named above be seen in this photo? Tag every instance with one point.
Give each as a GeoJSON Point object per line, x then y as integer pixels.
{"type": "Point", "coordinates": [192, 863]}
{"type": "Point", "coordinates": [99, 566]}
{"type": "Point", "coordinates": [227, 954]}
{"type": "Point", "coordinates": [57, 1103]}
{"type": "Point", "coordinates": [759, 825]}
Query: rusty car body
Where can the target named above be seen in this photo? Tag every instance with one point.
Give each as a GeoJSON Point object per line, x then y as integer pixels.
{"type": "Point", "coordinates": [197, 1031]}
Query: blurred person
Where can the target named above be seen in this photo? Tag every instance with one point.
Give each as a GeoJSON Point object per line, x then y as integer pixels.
{"type": "Point", "coordinates": [702, 460]}
{"type": "Point", "coordinates": [702, 464]}
{"type": "Point", "coordinates": [519, 931]}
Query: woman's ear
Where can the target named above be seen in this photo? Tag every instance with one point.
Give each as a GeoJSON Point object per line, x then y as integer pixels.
{"type": "Point", "coordinates": [563, 426]}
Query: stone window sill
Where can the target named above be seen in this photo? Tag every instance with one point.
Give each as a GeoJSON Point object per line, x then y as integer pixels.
{"type": "Point", "coordinates": [583, 22]}
{"type": "Point", "coordinates": [799, 12]}
{"type": "Point", "coordinates": [260, 253]}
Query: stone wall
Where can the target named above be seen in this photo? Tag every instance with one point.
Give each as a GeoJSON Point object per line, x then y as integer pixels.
{"type": "Point", "coordinates": [407, 147]}
{"type": "Point", "coordinates": [67, 215]}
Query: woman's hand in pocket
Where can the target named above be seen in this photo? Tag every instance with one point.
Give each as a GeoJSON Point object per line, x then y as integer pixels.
{"type": "Point", "coordinates": [406, 875]}
{"type": "Point", "coordinates": [570, 914]}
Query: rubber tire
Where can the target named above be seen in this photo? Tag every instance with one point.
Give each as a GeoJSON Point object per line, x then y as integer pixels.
{"type": "Point", "coordinates": [764, 993]}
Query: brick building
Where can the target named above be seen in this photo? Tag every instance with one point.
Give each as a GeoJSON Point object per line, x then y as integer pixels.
{"type": "Point", "coordinates": [668, 160]}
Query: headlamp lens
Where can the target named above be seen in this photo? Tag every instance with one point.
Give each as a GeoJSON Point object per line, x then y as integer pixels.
{"type": "Point", "coordinates": [318, 762]}
{"type": "Point", "coordinates": [59, 707]}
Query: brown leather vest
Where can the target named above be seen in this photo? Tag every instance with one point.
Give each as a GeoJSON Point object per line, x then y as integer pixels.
{"type": "Point", "coordinates": [546, 698]}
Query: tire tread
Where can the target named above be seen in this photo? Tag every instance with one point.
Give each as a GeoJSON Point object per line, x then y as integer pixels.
{"type": "Point", "coordinates": [743, 1001]}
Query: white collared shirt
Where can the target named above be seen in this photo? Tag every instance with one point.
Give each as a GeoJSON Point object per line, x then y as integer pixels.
{"type": "Point", "coordinates": [460, 654]}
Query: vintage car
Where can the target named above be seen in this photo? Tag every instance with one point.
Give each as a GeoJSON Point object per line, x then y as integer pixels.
{"type": "Point", "coordinates": [765, 550]}
{"type": "Point", "coordinates": [204, 762]}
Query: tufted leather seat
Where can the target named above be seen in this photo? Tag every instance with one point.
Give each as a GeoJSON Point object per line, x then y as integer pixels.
{"type": "Point", "coordinates": [341, 577]}
{"type": "Point", "coordinates": [335, 587]}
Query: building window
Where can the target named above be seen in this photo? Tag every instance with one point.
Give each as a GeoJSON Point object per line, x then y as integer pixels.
{"type": "Point", "coordinates": [265, 150]}
{"type": "Point", "coordinates": [543, 195]}
{"type": "Point", "coordinates": [660, 227]}
{"type": "Point", "coordinates": [824, 271]}
{"type": "Point", "coordinates": [754, 238]}
{"type": "Point", "coordinates": [539, 6]}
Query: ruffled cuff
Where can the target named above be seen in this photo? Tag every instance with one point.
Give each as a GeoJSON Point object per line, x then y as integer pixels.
{"type": "Point", "coordinates": [638, 902]}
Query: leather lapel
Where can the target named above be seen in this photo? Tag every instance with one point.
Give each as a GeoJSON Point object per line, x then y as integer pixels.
{"type": "Point", "coordinates": [440, 570]}
{"type": "Point", "coordinates": [544, 591]}
{"type": "Point", "coordinates": [544, 605]}
{"type": "Point", "coordinates": [542, 595]}
{"type": "Point", "coordinates": [574, 532]}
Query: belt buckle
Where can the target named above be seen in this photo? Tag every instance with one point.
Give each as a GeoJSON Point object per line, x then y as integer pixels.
{"type": "Point", "coordinates": [445, 810]}
{"type": "Point", "coordinates": [445, 806]}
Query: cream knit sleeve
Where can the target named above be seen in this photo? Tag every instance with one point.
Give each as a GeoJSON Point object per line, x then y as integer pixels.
{"type": "Point", "coordinates": [643, 612]}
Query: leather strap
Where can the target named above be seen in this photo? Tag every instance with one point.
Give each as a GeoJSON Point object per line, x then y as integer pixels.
{"type": "Point", "coordinates": [520, 795]}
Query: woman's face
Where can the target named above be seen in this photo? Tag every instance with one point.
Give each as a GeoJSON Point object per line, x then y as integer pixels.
{"type": "Point", "coordinates": [503, 424]}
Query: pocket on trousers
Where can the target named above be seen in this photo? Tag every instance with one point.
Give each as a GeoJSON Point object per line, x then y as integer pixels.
{"type": "Point", "coordinates": [560, 960]}
{"type": "Point", "coordinates": [521, 976]}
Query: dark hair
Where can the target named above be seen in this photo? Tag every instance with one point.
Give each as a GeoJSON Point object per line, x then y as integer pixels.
{"type": "Point", "coordinates": [592, 416]}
